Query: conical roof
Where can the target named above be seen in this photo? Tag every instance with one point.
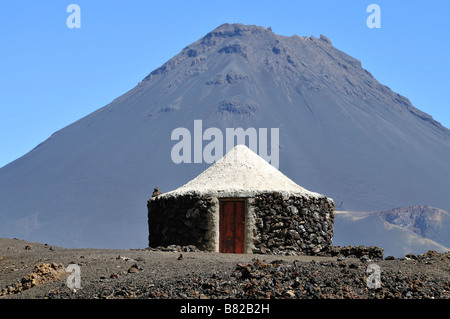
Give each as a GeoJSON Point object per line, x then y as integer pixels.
{"type": "Point", "coordinates": [240, 173]}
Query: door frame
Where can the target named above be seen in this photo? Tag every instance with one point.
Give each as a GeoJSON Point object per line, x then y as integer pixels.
{"type": "Point", "coordinates": [212, 235]}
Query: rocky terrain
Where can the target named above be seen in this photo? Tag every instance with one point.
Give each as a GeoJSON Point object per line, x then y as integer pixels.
{"type": "Point", "coordinates": [31, 270]}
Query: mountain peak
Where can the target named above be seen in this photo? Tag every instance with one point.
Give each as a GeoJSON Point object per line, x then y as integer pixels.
{"type": "Point", "coordinates": [231, 29]}
{"type": "Point", "coordinates": [233, 53]}
{"type": "Point", "coordinates": [253, 43]}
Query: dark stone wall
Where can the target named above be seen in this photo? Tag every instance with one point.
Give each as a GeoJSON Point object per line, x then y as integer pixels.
{"type": "Point", "coordinates": [179, 220]}
{"type": "Point", "coordinates": [279, 224]}
{"type": "Point", "coordinates": [297, 224]}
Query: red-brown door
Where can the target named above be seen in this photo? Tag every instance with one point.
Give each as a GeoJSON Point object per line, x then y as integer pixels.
{"type": "Point", "coordinates": [232, 227]}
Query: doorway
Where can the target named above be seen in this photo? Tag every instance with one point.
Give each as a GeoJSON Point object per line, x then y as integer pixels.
{"type": "Point", "coordinates": [231, 226]}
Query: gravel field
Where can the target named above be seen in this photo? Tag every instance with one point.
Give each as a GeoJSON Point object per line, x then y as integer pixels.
{"type": "Point", "coordinates": [31, 270]}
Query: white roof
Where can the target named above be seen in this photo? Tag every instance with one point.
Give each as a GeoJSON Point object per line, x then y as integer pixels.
{"type": "Point", "coordinates": [240, 173]}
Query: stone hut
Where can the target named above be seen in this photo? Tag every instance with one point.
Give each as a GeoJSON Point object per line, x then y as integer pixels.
{"type": "Point", "coordinates": [242, 204]}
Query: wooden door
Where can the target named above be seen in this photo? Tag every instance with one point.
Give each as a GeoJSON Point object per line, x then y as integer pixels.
{"type": "Point", "coordinates": [231, 226]}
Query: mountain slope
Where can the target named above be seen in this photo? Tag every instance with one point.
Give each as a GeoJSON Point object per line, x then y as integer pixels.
{"type": "Point", "coordinates": [370, 229]}
{"type": "Point", "coordinates": [341, 133]}
{"type": "Point", "coordinates": [428, 222]}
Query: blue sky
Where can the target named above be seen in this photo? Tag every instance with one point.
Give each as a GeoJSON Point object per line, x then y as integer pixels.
{"type": "Point", "coordinates": [51, 76]}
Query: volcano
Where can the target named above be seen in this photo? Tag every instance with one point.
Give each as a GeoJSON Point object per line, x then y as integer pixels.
{"type": "Point", "coordinates": [341, 133]}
